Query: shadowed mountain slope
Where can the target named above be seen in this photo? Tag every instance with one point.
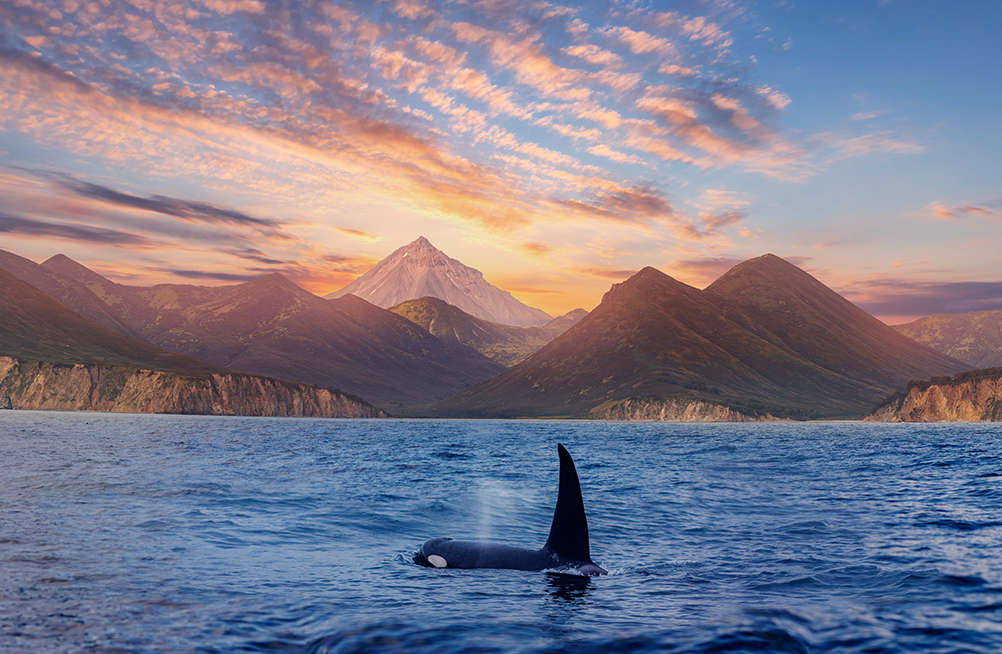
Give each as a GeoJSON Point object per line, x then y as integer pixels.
{"type": "Point", "coordinates": [653, 337]}
{"type": "Point", "coordinates": [272, 327]}
{"type": "Point", "coordinates": [150, 310]}
{"type": "Point", "coordinates": [52, 358]}
{"type": "Point", "coordinates": [505, 344]}
{"type": "Point", "coordinates": [787, 307]}
{"type": "Point", "coordinates": [35, 326]}
{"type": "Point", "coordinates": [67, 291]}
{"type": "Point", "coordinates": [974, 338]}
{"type": "Point", "coordinates": [419, 269]}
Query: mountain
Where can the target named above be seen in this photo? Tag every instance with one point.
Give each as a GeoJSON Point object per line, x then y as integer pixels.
{"type": "Point", "coordinates": [759, 340]}
{"type": "Point", "coordinates": [272, 327]}
{"type": "Point", "coordinates": [974, 338]}
{"type": "Point", "coordinates": [35, 326]}
{"type": "Point", "coordinates": [53, 358]}
{"type": "Point", "coordinates": [419, 269]}
{"type": "Point", "coordinates": [787, 307]}
{"type": "Point", "coordinates": [505, 344]}
{"type": "Point", "coordinates": [149, 310]}
{"type": "Point", "coordinates": [67, 291]}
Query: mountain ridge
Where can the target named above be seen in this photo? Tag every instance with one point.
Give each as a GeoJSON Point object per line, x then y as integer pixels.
{"type": "Point", "coordinates": [67, 291]}
{"type": "Point", "coordinates": [52, 358]}
{"type": "Point", "coordinates": [506, 344]}
{"type": "Point", "coordinates": [654, 338]}
{"type": "Point", "coordinates": [975, 338]}
{"type": "Point", "coordinates": [270, 326]}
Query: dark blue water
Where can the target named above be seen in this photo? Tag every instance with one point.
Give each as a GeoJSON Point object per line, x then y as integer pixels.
{"type": "Point", "coordinates": [198, 534]}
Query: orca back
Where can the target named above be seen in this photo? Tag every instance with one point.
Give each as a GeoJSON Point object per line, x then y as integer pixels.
{"type": "Point", "coordinates": [569, 530]}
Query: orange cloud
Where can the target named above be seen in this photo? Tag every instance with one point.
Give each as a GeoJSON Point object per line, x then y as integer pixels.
{"type": "Point", "coordinates": [608, 273]}
{"type": "Point", "coordinates": [700, 272]}
{"type": "Point", "coordinates": [938, 210]}
{"type": "Point", "coordinates": [359, 233]}
{"type": "Point", "coordinates": [535, 249]}
{"type": "Point", "coordinates": [640, 42]}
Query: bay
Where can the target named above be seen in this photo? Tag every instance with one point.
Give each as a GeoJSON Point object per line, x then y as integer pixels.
{"type": "Point", "coordinates": [148, 533]}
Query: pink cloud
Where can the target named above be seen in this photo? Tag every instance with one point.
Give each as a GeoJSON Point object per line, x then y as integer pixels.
{"type": "Point", "coordinates": [940, 211]}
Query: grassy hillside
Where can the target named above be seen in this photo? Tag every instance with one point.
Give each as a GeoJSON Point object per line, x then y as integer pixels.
{"type": "Point", "coordinates": [505, 344]}
{"type": "Point", "coordinates": [974, 338]}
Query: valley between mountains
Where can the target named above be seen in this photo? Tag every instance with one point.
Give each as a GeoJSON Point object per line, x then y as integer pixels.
{"type": "Point", "coordinates": [422, 334]}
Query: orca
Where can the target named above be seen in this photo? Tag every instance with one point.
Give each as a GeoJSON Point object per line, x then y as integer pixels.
{"type": "Point", "coordinates": [566, 547]}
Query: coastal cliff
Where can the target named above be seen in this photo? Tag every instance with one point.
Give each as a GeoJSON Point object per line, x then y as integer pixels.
{"type": "Point", "coordinates": [121, 389]}
{"type": "Point", "coordinates": [974, 396]}
{"type": "Point", "coordinates": [678, 410]}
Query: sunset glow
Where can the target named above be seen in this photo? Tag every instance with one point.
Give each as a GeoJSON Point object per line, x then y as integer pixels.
{"type": "Point", "coordinates": [558, 148]}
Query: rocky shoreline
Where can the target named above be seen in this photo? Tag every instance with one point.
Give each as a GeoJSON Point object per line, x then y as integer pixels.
{"type": "Point", "coordinates": [974, 396]}
{"type": "Point", "coordinates": [118, 389]}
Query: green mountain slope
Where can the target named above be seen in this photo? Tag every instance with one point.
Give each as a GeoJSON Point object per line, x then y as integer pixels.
{"type": "Point", "coordinates": [974, 338]}
{"type": "Point", "coordinates": [505, 344]}
{"type": "Point", "coordinates": [150, 310]}
{"type": "Point", "coordinates": [67, 291]}
{"type": "Point", "coordinates": [34, 326]}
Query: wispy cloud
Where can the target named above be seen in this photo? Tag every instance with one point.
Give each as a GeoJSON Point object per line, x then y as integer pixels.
{"type": "Point", "coordinates": [359, 233]}
{"type": "Point", "coordinates": [418, 104]}
{"type": "Point", "coordinates": [27, 227]}
{"type": "Point", "coordinates": [606, 272]}
{"type": "Point", "coordinates": [512, 120]}
{"type": "Point", "coordinates": [700, 272]}
{"type": "Point", "coordinates": [187, 210]}
{"type": "Point", "coordinates": [844, 146]}
{"type": "Point", "coordinates": [915, 299]}
{"type": "Point", "coordinates": [44, 207]}
{"type": "Point", "coordinates": [982, 210]}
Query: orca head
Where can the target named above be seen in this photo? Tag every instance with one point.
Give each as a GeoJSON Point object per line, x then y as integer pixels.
{"type": "Point", "coordinates": [429, 555]}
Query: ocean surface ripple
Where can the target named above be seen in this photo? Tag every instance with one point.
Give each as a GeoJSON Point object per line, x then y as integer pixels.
{"type": "Point", "coordinates": [129, 533]}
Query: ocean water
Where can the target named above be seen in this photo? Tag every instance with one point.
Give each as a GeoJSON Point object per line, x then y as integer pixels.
{"type": "Point", "coordinates": [128, 533]}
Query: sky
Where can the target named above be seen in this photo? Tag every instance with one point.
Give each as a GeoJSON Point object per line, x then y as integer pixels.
{"type": "Point", "coordinates": [556, 147]}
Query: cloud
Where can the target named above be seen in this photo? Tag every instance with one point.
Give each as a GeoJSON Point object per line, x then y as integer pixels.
{"type": "Point", "coordinates": [701, 271]}
{"type": "Point", "coordinates": [884, 297]}
{"type": "Point", "coordinates": [942, 212]}
{"type": "Point", "coordinates": [636, 204]}
{"type": "Point", "coordinates": [18, 226]}
{"type": "Point", "coordinates": [606, 272]}
{"type": "Point", "coordinates": [184, 209]}
{"type": "Point", "coordinates": [615, 155]}
{"type": "Point", "coordinates": [883, 142]}
{"type": "Point", "coordinates": [640, 42]}
{"type": "Point", "coordinates": [359, 233]}
{"type": "Point", "coordinates": [594, 55]}
{"type": "Point", "coordinates": [215, 276]}
{"type": "Point", "coordinates": [715, 221]}
{"type": "Point", "coordinates": [496, 114]}
{"type": "Point", "coordinates": [536, 249]}
{"type": "Point", "coordinates": [534, 290]}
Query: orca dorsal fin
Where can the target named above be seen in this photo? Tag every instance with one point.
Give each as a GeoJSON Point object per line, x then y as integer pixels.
{"type": "Point", "coordinates": [569, 531]}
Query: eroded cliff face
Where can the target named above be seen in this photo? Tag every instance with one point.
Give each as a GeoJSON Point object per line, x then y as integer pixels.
{"type": "Point", "coordinates": [77, 387]}
{"type": "Point", "coordinates": [678, 410]}
{"type": "Point", "coordinates": [977, 400]}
